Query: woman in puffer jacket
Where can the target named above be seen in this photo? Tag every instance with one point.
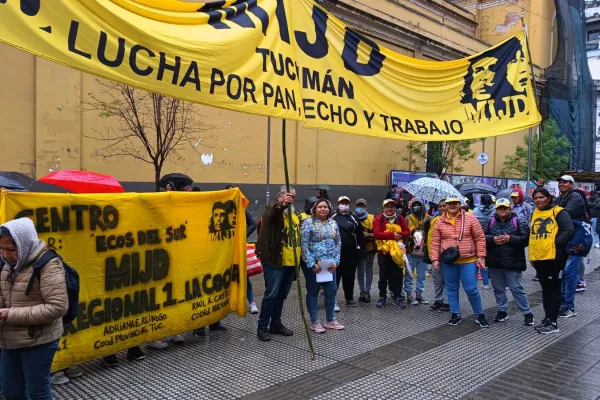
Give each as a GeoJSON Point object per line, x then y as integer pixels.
{"type": "Point", "coordinates": [30, 326]}
{"type": "Point", "coordinates": [458, 228]}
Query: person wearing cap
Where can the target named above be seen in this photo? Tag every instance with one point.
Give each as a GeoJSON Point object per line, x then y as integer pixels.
{"type": "Point", "coordinates": [507, 236]}
{"type": "Point", "coordinates": [353, 244]}
{"type": "Point", "coordinates": [594, 206]}
{"type": "Point", "coordinates": [416, 221]}
{"type": "Point", "coordinates": [457, 246]}
{"type": "Point", "coordinates": [520, 207]}
{"type": "Point", "coordinates": [575, 204]}
{"type": "Point", "coordinates": [365, 264]}
{"type": "Point", "coordinates": [390, 273]}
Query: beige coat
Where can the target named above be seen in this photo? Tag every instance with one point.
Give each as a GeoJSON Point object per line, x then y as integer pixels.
{"type": "Point", "coordinates": [35, 319]}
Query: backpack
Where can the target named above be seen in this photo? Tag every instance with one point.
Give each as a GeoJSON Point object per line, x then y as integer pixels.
{"type": "Point", "coordinates": [71, 278]}
{"type": "Point", "coordinates": [581, 243]}
{"type": "Point", "coordinates": [514, 221]}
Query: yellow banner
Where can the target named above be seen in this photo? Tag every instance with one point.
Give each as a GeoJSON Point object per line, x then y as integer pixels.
{"type": "Point", "coordinates": [150, 265]}
{"type": "Point", "coordinates": [283, 58]}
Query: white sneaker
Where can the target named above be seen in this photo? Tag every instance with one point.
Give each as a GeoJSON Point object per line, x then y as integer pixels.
{"type": "Point", "coordinates": [253, 308]}
{"type": "Point", "coordinates": [336, 308]}
{"type": "Point", "coordinates": [157, 345]}
{"type": "Point", "coordinates": [597, 245]}
{"type": "Point", "coordinates": [59, 378]}
{"type": "Point", "coordinates": [178, 339]}
{"type": "Point", "coordinates": [486, 287]}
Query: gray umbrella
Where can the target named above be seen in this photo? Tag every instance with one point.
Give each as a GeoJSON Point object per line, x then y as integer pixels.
{"type": "Point", "coordinates": [472, 188]}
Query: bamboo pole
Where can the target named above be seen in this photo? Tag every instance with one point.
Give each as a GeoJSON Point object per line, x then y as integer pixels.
{"type": "Point", "coordinates": [292, 236]}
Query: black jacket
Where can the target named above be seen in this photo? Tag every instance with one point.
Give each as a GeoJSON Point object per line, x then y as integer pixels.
{"type": "Point", "coordinates": [594, 206]}
{"type": "Point", "coordinates": [250, 224]}
{"type": "Point", "coordinates": [574, 204]}
{"type": "Point", "coordinates": [509, 256]}
{"type": "Point", "coordinates": [351, 232]}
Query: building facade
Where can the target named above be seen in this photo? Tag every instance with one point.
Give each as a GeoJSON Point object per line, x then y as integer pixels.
{"type": "Point", "coordinates": [592, 14]}
{"type": "Point", "coordinates": [45, 125]}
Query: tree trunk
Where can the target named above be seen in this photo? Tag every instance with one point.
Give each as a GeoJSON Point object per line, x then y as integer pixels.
{"type": "Point", "coordinates": [157, 170]}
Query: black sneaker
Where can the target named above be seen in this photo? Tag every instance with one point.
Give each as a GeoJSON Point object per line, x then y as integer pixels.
{"type": "Point", "coordinates": [549, 328]}
{"type": "Point", "coordinates": [279, 329]}
{"type": "Point", "coordinates": [217, 327]}
{"type": "Point", "coordinates": [135, 354]}
{"type": "Point", "coordinates": [528, 319]}
{"type": "Point", "coordinates": [110, 361]}
{"type": "Point", "coordinates": [420, 300]}
{"type": "Point", "coordinates": [454, 319]}
{"type": "Point", "coordinates": [580, 287]}
{"type": "Point", "coordinates": [436, 305]}
{"type": "Point", "coordinates": [566, 313]}
{"type": "Point", "coordinates": [361, 298]}
{"type": "Point", "coordinates": [597, 269]}
{"type": "Point", "coordinates": [444, 308]}
{"type": "Point", "coordinates": [481, 321]}
{"type": "Point", "coordinates": [200, 332]}
{"type": "Point", "coordinates": [351, 303]}
{"type": "Point", "coordinates": [501, 316]}
{"type": "Point", "coordinates": [399, 302]}
{"type": "Point", "coordinates": [263, 335]}
{"type": "Point", "coordinates": [367, 297]}
{"type": "Point", "coordinates": [381, 302]}
{"type": "Point", "coordinates": [542, 324]}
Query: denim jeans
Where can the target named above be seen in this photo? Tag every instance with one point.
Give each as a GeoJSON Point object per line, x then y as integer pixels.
{"type": "Point", "coordinates": [312, 295]}
{"type": "Point", "coordinates": [594, 233]}
{"type": "Point", "coordinates": [26, 372]}
{"type": "Point", "coordinates": [569, 282]}
{"type": "Point", "coordinates": [416, 262]}
{"type": "Point", "coordinates": [485, 275]}
{"type": "Point", "coordinates": [278, 282]}
{"type": "Point", "coordinates": [502, 278]}
{"type": "Point", "coordinates": [441, 292]}
{"type": "Point", "coordinates": [454, 274]}
{"type": "Point", "coordinates": [249, 292]}
{"type": "Point", "coordinates": [365, 271]}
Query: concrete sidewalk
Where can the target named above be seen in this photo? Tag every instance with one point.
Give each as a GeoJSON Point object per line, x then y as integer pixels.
{"type": "Point", "coordinates": [382, 354]}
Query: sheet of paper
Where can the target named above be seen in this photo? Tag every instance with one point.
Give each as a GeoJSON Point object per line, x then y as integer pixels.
{"type": "Point", "coordinates": [324, 275]}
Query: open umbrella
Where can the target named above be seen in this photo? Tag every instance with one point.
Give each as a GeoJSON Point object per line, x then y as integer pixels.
{"type": "Point", "coordinates": [472, 188]}
{"type": "Point", "coordinates": [83, 181]}
{"type": "Point", "coordinates": [15, 181]}
{"type": "Point", "coordinates": [176, 179]}
{"type": "Point", "coordinates": [432, 190]}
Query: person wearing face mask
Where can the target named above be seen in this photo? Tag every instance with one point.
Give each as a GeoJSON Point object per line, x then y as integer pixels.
{"type": "Point", "coordinates": [365, 265]}
{"type": "Point", "coordinates": [353, 244]}
{"type": "Point", "coordinates": [440, 303]}
{"type": "Point", "coordinates": [416, 222]}
{"type": "Point", "coordinates": [389, 272]}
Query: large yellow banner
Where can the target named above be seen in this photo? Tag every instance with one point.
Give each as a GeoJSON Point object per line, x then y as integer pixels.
{"type": "Point", "coordinates": [150, 265]}
{"type": "Point", "coordinates": [283, 58]}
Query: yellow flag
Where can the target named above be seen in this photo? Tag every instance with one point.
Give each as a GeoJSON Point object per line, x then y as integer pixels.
{"type": "Point", "coordinates": [283, 58]}
{"type": "Point", "coordinates": [150, 265]}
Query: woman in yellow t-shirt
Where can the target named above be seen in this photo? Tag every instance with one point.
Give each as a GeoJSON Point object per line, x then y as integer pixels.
{"type": "Point", "coordinates": [551, 230]}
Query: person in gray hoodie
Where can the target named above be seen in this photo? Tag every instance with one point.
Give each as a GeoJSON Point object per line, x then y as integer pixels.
{"type": "Point", "coordinates": [415, 246]}
{"type": "Point", "coordinates": [30, 322]}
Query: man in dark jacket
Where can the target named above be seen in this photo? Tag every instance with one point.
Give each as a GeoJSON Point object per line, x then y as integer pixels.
{"type": "Point", "coordinates": [275, 249]}
{"type": "Point", "coordinates": [392, 193]}
{"type": "Point", "coordinates": [594, 206]}
{"type": "Point", "coordinates": [575, 205]}
{"type": "Point", "coordinates": [506, 237]}
{"type": "Point", "coordinates": [353, 244]}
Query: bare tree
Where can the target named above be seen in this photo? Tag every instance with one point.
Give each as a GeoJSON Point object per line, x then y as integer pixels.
{"type": "Point", "coordinates": [152, 128]}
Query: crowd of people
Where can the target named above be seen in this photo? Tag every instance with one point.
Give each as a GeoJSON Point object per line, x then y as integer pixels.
{"type": "Point", "coordinates": [456, 243]}
{"type": "Point", "coordinates": [333, 243]}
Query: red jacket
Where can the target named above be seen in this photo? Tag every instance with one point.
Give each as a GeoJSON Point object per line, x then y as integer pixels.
{"type": "Point", "coordinates": [379, 228]}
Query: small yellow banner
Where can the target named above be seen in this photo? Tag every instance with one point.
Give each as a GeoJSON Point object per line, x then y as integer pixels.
{"type": "Point", "coordinates": [150, 265]}
{"type": "Point", "coordinates": [283, 58]}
